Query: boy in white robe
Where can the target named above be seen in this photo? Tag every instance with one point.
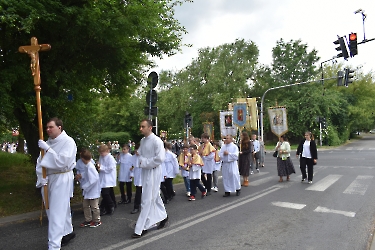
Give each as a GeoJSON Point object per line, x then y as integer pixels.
{"type": "Point", "coordinates": [137, 172]}
{"type": "Point", "coordinates": [183, 161]}
{"type": "Point", "coordinates": [125, 175]}
{"type": "Point", "coordinates": [195, 167]}
{"type": "Point", "coordinates": [171, 169]}
{"type": "Point", "coordinates": [107, 176]}
{"type": "Point", "coordinates": [207, 152]}
{"type": "Point", "coordinates": [231, 175]}
{"type": "Point", "coordinates": [151, 155]}
{"type": "Point", "coordinates": [59, 160]}
{"type": "Point", "coordinates": [89, 179]}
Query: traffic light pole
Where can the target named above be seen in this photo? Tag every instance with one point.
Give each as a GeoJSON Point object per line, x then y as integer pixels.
{"type": "Point", "coordinates": [280, 87]}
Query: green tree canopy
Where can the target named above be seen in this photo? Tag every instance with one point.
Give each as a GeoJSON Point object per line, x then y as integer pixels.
{"type": "Point", "coordinates": [99, 48]}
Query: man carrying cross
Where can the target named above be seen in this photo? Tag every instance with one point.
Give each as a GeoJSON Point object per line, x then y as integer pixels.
{"type": "Point", "coordinates": [59, 160]}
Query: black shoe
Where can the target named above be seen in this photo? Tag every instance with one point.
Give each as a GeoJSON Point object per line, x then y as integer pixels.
{"type": "Point", "coordinates": [238, 192]}
{"type": "Point", "coordinates": [135, 210]}
{"type": "Point", "coordinates": [135, 236]}
{"type": "Point", "coordinates": [208, 193]}
{"type": "Point", "coordinates": [103, 212]}
{"type": "Point", "coordinates": [226, 194]}
{"type": "Point", "coordinates": [122, 202]}
{"type": "Point", "coordinates": [65, 239]}
{"type": "Point", "coordinates": [111, 211]}
{"type": "Point", "coordinates": [162, 223]}
{"type": "Point", "coordinates": [303, 179]}
{"type": "Point", "coordinates": [128, 201]}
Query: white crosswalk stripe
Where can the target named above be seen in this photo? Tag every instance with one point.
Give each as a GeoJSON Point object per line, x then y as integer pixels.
{"type": "Point", "coordinates": [261, 181]}
{"type": "Point", "coordinates": [324, 183]}
{"type": "Point", "coordinates": [359, 185]}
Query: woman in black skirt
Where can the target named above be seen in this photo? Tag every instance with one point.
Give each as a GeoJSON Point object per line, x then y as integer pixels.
{"type": "Point", "coordinates": [284, 164]}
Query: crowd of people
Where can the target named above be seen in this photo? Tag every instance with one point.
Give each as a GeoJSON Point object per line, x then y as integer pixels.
{"type": "Point", "coordinates": [151, 167]}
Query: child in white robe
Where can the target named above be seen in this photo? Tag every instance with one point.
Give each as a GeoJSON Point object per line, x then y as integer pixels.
{"type": "Point", "coordinates": [125, 174]}
{"type": "Point", "coordinates": [89, 179]}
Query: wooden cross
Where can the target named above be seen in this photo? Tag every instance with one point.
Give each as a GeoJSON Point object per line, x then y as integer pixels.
{"type": "Point", "coordinates": [33, 51]}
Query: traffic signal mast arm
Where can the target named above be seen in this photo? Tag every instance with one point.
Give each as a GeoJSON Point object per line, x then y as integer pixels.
{"type": "Point", "coordinates": [280, 87]}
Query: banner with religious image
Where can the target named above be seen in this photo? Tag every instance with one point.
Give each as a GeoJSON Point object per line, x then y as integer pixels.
{"type": "Point", "coordinates": [208, 127]}
{"type": "Point", "coordinates": [239, 114]}
{"type": "Point", "coordinates": [278, 120]}
{"type": "Point", "coordinates": [226, 124]}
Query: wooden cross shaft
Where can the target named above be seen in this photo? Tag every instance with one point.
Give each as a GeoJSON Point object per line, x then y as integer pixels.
{"type": "Point", "coordinates": [33, 51]}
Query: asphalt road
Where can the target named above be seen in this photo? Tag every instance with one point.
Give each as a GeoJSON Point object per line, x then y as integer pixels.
{"type": "Point", "coordinates": [337, 211]}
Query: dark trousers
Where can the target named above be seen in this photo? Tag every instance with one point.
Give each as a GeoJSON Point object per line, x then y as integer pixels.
{"type": "Point", "coordinates": [128, 190]}
{"type": "Point", "coordinates": [138, 197]}
{"type": "Point", "coordinates": [107, 200]}
{"type": "Point", "coordinates": [169, 186]}
{"type": "Point", "coordinates": [194, 184]}
{"type": "Point", "coordinates": [310, 168]}
{"type": "Point", "coordinates": [207, 182]}
{"type": "Point", "coordinates": [163, 189]}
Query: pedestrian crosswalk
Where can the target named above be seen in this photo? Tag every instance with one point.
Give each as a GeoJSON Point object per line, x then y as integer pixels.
{"type": "Point", "coordinates": [324, 183]}
{"type": "Point", "coordinates": [358, 186]}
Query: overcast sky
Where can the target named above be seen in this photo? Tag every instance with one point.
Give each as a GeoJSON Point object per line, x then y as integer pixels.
{"type": "Point", "coordinates": [316, 23]}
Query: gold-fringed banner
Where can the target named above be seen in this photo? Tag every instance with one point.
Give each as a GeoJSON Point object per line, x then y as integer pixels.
{"type": "Point", "coordinates": [226, 124]}
{"type": "Point", "coordinates": [278, 120]}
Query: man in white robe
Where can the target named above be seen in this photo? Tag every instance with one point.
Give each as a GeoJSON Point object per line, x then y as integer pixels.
{"type": "Point", "coordinates": [59, 160]}
{"type": "Point", "coordinates": [231, 176]}
{"type": "Point", "coordinates": [151, 155]}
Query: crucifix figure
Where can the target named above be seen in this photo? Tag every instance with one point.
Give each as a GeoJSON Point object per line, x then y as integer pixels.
{"type": "Point", "coordinates": [33, 51]}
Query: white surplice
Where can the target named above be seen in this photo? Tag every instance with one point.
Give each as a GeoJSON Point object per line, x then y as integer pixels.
{"type": "Point", "coordinates": [59, 162]}
{"type": "Point", "coordinates": [229, 170]}
{"type": "Point", "coordinates": [151, 155]}
{"type": "Point", "coordinates": [126, 162]}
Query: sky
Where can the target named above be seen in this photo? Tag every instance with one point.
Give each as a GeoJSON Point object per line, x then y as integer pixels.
{"type": "Point", "coordinates": [210, 23]}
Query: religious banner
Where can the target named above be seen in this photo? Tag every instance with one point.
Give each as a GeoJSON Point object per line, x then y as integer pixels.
{"type": "Point", "coordinates": [226, 124]}
{"type": "Point", "coordinates": [163, 135]}
{"type": "Point", "coordinates": [239, 114]}
{"type": "Point", "coordinates": [208, 127]}
{"type": "Point", "coordinates": [278, 120]}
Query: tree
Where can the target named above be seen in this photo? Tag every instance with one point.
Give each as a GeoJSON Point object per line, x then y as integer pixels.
{"type": "Point", "coordinates": [207, 84]}
{"type": "Point", "coordinates": [99, 48]}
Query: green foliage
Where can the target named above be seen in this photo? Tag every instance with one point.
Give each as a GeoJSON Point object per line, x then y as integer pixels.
{"type": "Point", "coordinates": [212, 80]}
{"type": "Point", "coordinates": [99, 49]}
{"type": "Point", "coordinates": [121, 137]}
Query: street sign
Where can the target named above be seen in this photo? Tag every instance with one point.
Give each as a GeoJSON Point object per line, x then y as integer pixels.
{"type": "Point", "coordinates": [153, 79]}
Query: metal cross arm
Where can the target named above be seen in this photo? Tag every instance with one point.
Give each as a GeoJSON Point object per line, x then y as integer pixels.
{"type": "Point", "coordinates": [280, 87]}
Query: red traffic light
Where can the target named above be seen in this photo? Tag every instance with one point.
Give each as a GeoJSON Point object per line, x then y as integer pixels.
{"type": "Point", "coordinates": [353, 36]}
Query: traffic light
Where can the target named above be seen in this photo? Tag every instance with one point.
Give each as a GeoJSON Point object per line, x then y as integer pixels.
{"type": "Point", "coordinates": [188, 121]}
{"type": "Point", "coordinates": [323, 122]}
{"type": "Point", "coordinates": [152, 95]}
{"type": "Point", "coordinates": [342, 47]}
{"type": "Point", "coordinates": [353, 44]}
{"type": "Point", "coordinates": [151, 111]}
{"type": "Point", "coordinates": [340, 77]}
{"type": "Point", "coordinates": [348, 76]}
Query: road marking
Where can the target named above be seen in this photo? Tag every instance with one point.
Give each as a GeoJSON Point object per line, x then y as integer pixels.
{"type": "Point", "coordinates": [327, 210]}
{"type": "Point", "coordinates": [260, 181]}
{"type": "Point", "coordinates": [288, 205]}
{"type": "Point", "coordinates": [191, 221]}
{"type": "Point", "coordinates": [359, 185]}
{"type": "Point", "coordinates": [324, 183]}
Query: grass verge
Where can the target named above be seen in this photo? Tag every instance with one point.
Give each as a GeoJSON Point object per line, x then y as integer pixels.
{"type": "Point", "coordinates": [18, 193]}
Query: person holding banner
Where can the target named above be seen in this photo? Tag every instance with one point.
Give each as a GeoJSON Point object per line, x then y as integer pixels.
{"type": "Point", "coordinates": [59, 160]}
